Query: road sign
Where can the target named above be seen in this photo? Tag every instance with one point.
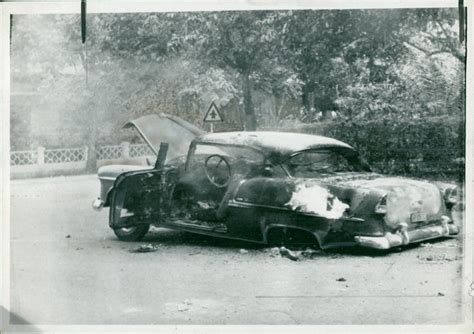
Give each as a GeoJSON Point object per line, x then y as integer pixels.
{"type": "Point", "coordinates": [213, 114]}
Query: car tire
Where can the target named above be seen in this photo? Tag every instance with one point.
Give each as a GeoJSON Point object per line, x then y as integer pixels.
{"type": "Point", "coordinates": [135, 233]}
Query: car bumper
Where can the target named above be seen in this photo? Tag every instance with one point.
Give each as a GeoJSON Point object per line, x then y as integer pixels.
{"type": "Point", "coordinates": [97, 204]}
{"type": "Point", "coordinates": [390, 240]}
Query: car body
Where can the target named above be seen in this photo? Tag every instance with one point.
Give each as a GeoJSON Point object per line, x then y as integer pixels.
{"type": "Point", "coordinates": [269, 187]}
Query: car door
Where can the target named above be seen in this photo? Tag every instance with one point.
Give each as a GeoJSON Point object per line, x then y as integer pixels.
{"type": "Point", "coordinates": [212, 173]}
{"type": "Point", "coordinates": [136, 198]}
{"type": "Point", "coordinates": [196, 197]}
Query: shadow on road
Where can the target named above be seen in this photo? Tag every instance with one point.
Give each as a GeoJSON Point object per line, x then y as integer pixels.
{"type": "Point", "coordinates": [176, 238]}
{"type": "Point", "coordinates": [167, 237]}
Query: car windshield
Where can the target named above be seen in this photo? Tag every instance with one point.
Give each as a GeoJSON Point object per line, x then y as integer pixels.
{"type": "Point", "coordinates": [314, 163]}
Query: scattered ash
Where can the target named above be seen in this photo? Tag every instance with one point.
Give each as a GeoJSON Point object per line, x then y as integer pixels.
{"type": "Point", "coordinates": [146, 248]}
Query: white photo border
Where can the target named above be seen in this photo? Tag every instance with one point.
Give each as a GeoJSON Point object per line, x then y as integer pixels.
{"type": "Point", "coordinates": [69, 7]}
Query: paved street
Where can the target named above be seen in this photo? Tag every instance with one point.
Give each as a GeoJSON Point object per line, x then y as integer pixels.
{"type": "Point", "coordinates": [67, 267]}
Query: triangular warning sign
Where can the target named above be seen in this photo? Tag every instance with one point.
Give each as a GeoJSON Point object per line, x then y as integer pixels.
{"type": "Point", "coordinates": [213, 114]}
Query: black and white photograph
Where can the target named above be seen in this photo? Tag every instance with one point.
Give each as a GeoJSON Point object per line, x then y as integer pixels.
{"type": "Point", "coordinates": [256, 163]}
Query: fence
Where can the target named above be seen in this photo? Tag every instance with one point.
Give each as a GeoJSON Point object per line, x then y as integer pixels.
{"type": "Point", "coordinates": [44, 161]}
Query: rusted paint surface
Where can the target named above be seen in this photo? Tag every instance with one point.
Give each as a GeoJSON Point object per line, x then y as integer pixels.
{"type": "Point", "coordinates": [405, 197]}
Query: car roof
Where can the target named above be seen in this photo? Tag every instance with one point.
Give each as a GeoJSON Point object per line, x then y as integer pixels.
{"type": "Point", "coordinates": [282, 143]}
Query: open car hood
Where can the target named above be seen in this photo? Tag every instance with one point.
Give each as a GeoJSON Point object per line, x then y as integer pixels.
{"type": "Point", "coordinates": [162, 128]}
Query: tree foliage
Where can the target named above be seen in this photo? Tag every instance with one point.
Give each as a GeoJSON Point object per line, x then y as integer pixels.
{"type": "Point", "coordinates": [261, 67]}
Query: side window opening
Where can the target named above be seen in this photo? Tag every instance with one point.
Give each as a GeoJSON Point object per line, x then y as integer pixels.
{"type": "Point", "coordinates": [313, 163]}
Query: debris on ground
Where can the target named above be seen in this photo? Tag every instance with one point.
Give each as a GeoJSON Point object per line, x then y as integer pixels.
{"type": "Point", "coordinates": [440, 258]}
{"type": "Point", "coordinates": [294, 255]}
{"type": "Point", "coordinates": [445, 244]}
{"type": "Point", "coordinates": [335, 255]}
{"type": "Point", "coordinates": [311, 253]}
{"type": "Point", "coordinates": [145, 248]}
{"type": "Point", "coordinates": [274, 252]}
{"type": "Point", "coordinates": [288, 254]}
{"type": "Point", "coordinates": [243, 251]}
{"type": "Point", "coordinates": [341, 279]}
{"type": "Point", "coordinates": [184, 306]}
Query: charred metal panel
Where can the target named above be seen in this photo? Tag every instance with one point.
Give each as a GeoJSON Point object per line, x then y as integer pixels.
{"type": "Point", "coordinates": [156, 129]}
{"type": "Point", "coordinates": [265, 191]}
{"type": "Point", "coordinates": [136, 199]}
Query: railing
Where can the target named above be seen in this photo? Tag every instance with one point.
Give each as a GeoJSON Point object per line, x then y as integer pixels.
{"type": "Point", "coordinates": [23, 158]}
{"type": "Point", "coordinates": [65, 155]}
{"type": "Point", "coordinates": [42, 156]}
{"type": "Point", "coordinates": [110, 152]}
{"type": "Point", "coordinates": [60, 161]}
{"type": "Point", "coordinates": [140, 150]}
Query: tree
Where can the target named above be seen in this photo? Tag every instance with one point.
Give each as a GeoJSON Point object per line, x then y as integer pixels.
{"type": "Point", "coordinates": [340, 60]}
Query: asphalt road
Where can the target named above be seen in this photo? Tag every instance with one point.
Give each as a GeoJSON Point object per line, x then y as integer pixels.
{"type": "Point", "coordinates": [67, 267]}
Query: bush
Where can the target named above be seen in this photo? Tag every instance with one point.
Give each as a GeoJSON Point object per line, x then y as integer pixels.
{"type": "Point", "coordinates": [431, 147]}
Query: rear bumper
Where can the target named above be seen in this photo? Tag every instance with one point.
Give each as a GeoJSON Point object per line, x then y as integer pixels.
{"type": "Point", "coordinates": [390, 240]}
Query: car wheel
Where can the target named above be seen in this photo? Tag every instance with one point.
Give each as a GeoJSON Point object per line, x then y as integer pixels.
{"type": "Point", "coordinates": [134, 233]}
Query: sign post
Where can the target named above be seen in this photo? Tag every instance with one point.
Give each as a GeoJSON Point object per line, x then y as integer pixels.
{"type": "Point", "coordinates": [212, 116]}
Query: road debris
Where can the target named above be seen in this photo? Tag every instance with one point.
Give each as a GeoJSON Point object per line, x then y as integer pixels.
{"type": "Point", "coordinates": [184, 306]}
{"type": "Point", "coordinates": [294, 255]}
{"type": "Point", "coordinates": [440, 258]}
{"type": "Point", "coordinates": [444, 244]}
{"type": "Point", "coordinates": [285, 252]}
{"type": "Point", "coordinates": [274, 252]}
{"type": "Point", "coordinates": [311, 253]}
{"type": "Point", "coordinates": [146, 248]}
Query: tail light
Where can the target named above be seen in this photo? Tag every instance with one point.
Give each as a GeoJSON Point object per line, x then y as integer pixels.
{"type": "Point", "coordinates": [451, 196]}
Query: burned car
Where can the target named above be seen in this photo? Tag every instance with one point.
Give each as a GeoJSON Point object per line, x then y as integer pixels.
{"type": "Point", "coordinates": [268, 187]}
